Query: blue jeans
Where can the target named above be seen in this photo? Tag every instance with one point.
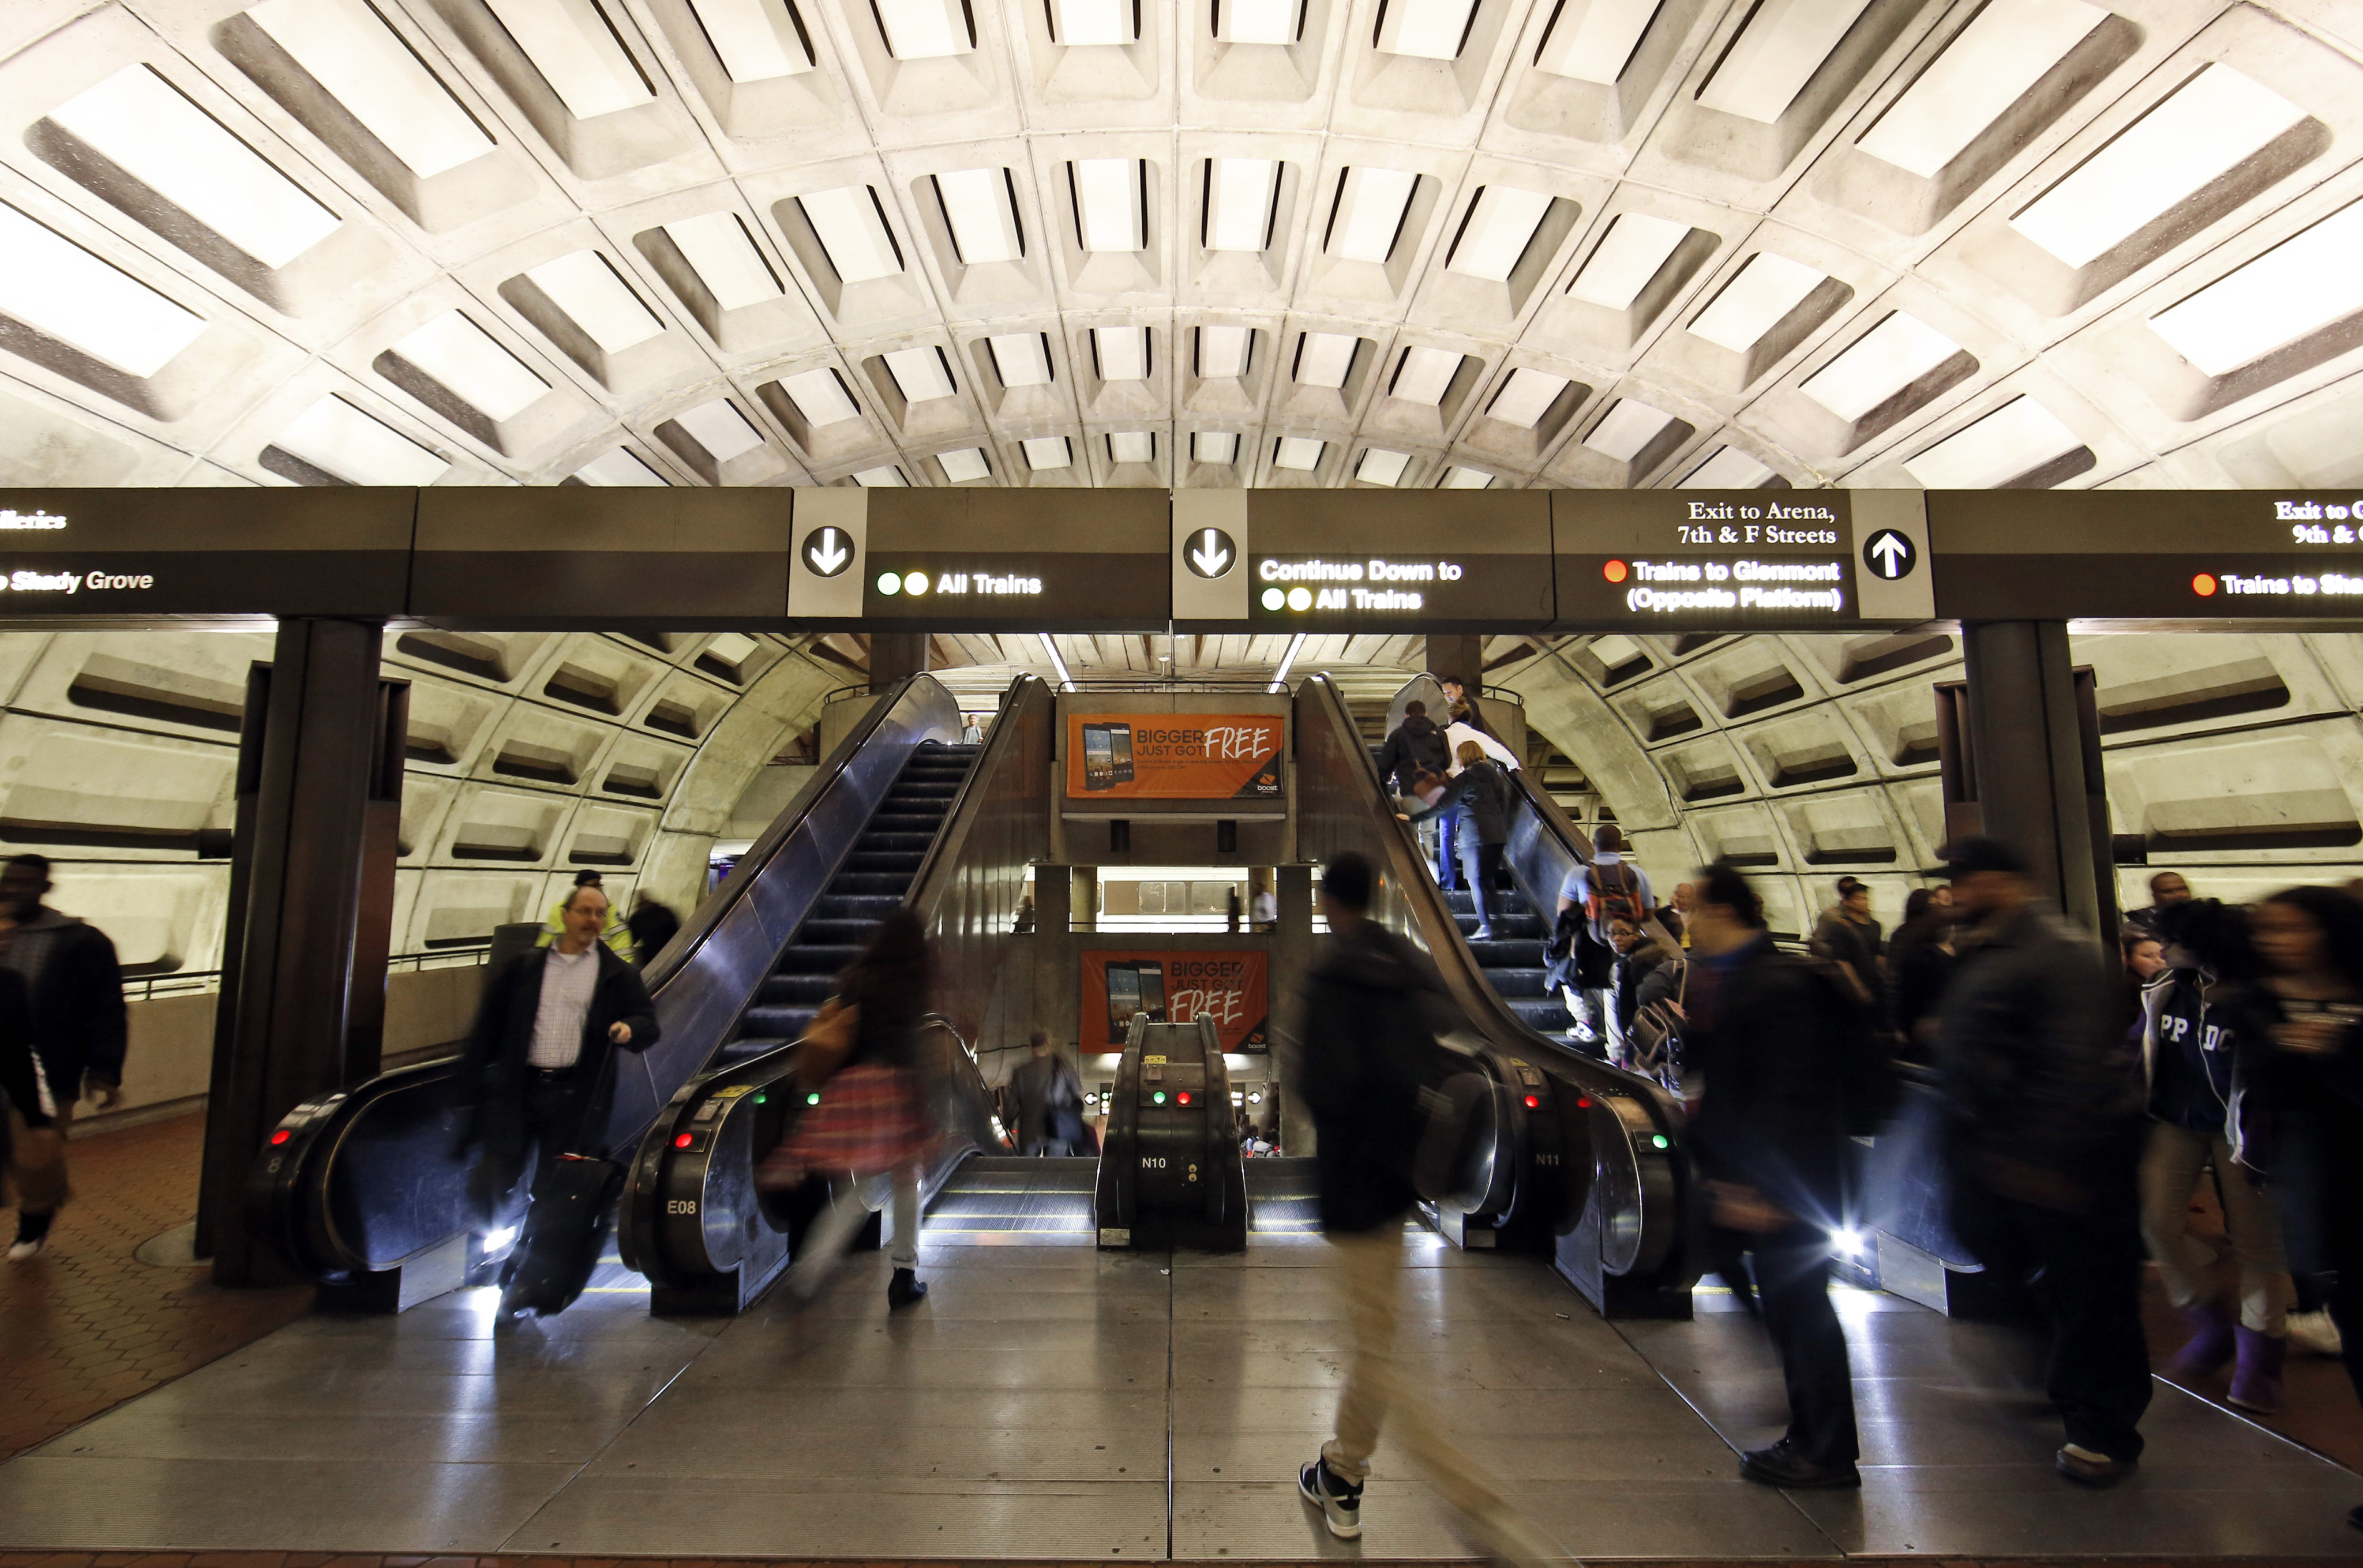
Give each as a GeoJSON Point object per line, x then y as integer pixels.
{"type": "Point", "coordinates": [1479, 861]}
{"type": "Point", "coordinates": [1448, 834]}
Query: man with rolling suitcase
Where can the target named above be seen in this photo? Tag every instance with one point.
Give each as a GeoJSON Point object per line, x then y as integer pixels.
{"type": "Point", "coordinates": [536, 1083]}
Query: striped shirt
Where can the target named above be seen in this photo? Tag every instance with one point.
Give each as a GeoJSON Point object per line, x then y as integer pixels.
{"type": "Point", "coordinates": [567, 982]}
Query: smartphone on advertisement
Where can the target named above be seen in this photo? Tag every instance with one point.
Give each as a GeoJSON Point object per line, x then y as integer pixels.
{"type": "Point", "coordinates": [1099, 756]}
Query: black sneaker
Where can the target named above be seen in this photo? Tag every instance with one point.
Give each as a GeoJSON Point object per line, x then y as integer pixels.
{"type": "Point", "coordinates": [905, 1288]}
{"type": "Point", "coordinates": [1341, 1504]}
{"type": "Point", "coordinates": [1783, 1465]}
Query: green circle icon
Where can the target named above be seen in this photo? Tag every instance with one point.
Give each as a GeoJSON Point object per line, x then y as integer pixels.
{"type": "Point", "coordinates": [890, 583]}
{"type": "Point", "coordinates": [1274, 597]}
{"type": "Point", "coordinates": [1300, 598]}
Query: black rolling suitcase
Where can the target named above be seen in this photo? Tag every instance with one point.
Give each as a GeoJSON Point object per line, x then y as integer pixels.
{"type": "Point", "coordinates": [564, 1232]}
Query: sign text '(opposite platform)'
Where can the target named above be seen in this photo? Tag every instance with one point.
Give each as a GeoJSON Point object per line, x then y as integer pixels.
{"type": "Point", "coordinates": [1664, 586]}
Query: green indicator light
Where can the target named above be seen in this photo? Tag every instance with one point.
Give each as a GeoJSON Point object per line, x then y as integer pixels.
{"type": "Point", "coordinates": [890, 582]}
{"type": "Point", "coordinates": [813, 1100]}
{"type": "Point", "coordinates": [1158, 1099]}
{"type": "Point", "coordinates": [1658, 1140]}
{"type": "Point", "coordinates": [762, 1099]}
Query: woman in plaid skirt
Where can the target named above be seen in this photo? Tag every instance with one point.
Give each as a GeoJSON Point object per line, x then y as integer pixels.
{"type": "Point", "coordinates": [872, 1120]}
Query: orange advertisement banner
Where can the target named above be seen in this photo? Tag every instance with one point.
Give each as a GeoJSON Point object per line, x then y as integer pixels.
{"type": "Point", "coordinates": [1173, 756]}
{"type": "Point", "coordinates": [1175, 987]}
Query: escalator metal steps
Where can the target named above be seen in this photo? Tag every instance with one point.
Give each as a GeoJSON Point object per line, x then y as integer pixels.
{"type": "Point", "coordinates": [1512, 962]}
{"type": "Point", "coordinates": [1005, 1201]}
{"type": "Point", "coordinates": [1282, 1200]}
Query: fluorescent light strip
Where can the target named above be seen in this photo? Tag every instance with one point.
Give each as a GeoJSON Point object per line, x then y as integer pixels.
{"type": "Point", "coordinates": [964, 464]}
{"type": "Point", "coordinates": [1370, 213]}
{"type": "Point", "coordinates": [1081, 24]}
{"type": "Point", "coordinates": [887, 478]}
{"type": "Point", "coordinates": [1066, 682]}
{"type": "Point", "coordinates": [723, 254]}
{"type": "Point", "coordinates": [1020, 359]}
{"type": "Point", "coordinates": [919, 374]}
{"type": "Point", "coordinates": [1381, 467]}
{"type": "Point", "coordinates": [2016, 438]}
{"type": "Point", "coordinates": [1122, 352]}
{"type": "Point", "coordinates": [1882, 361]}
{"type": "Point", "coordinates": [1044, 453]}
{"type": "Point", "coordinates": [1635, 248]}
{"type": "Point", "coordinates": [1215, 446]}
{"type": "Point", "coordinates": [1776, 52]}
{"type": "Point", "coordinates": [2291, 291]}
{"type": "Point", "coordinates": [977, 211]}
{"type": "Point", "coordinates": [1131, 446]}
{"type": "Point", "coordinates": [347, 47]}
{"type": "Point", "coordinates": [1989, 66]}
{"type": "Point", "coordinates": [820, 397]}
{"type": "Point", "coordinates": [1594, 41]}
{"type": "Point", "coordinates": [60, 290]}
{"type": "Point", "coordinates": [720, 428]}
{"type": "Point", "coordinates": [853, 232]}
{"type": "Point", "coordinates": [1729, 469]}
{"type": "Point", "coordinates": [1424, 376]}
{"type": "Point", "coordinates": [1298, 455]}
{"type": "Point", "coordinates": [1424, 29]}
{"type": "Point", "coordinates": [1630, 426]}
{"type": "Point", "coordinates": [1242, 196]}
{"type": "Point", "coordinates": [1525, 397]}
{"type": "Point", "coordinates": [1466, 479]}
{"type": "Point", "coordinates": [621, 469]}
{"type": "Point", "coordinates": [758, 40]}
{"type": "Point", "coordinates": [2200, 132]}
{"type": "Point", "coordinates": [1502, 223]}
{"type": "Point", "coordinates": [924, 29]}
{"type": "Point", "coordinates": [575, 47]}
{"type": "Point", "coordinates": [1223, 352]}
{"type": "Point", "coordinates": [1109, 197]}
{"type": "Point", "coordinates": [339, 439]}
{"type": "Point", "coordinates": [585, 285]}
{"type": "Point", "coordinates": [462, 357]}
{"type": "Point", "coordinates": [1258, 21]}
{"type": "Point", "coordinates": [1325, 359]}
{"type": "Point", "coordinates": [1280, 676]}
{"type": "Point", "coordinates": [143, 125]}
{"type": "Point", "coordinates": [1765, 289]}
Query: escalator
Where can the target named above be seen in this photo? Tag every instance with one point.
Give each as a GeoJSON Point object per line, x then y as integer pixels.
{"type": "Point", "coordinates": [1584, 1163]}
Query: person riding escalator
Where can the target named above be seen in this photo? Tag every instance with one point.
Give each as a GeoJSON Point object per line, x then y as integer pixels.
{"type": "Point", "coordinates": [1477, 798]}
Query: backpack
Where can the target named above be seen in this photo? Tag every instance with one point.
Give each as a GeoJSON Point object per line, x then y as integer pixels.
{"type": "Point", "coordinates": [1869, 1087]}
{"type": "Point", "coordinates": [1603, 904]}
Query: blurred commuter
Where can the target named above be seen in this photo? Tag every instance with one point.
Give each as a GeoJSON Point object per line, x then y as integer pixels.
{"type": "Point", "coordinates": [652, 926]}
{"type": "Point", "coordinates": [1467, 727]}
{"type": "Point", "coordinates": [33, 1140]}
{"type": "Point", "coordinates": [538, 1073]}
{"type": "Point", "coordinates": [1919, 965]}
{"type": "Point", "coordinates": [1648, 976]}
{"type": "Point", "coordinates": [1461, 703]}
{"type": "Point", "coordinates": [1478, 799]}
{"type": "Point", "coordinates": [1416, 744]}
{"type": "Point", "coordinates": [1265, 907]}
{"type": "Point", "coordinates": [1848, 937]}
{"type": "Point", "coordinates": [2043, 1138]}
{"type": "Point", "coordinates": [872, 1120]}
{"type": "Point", "coordinates": [2299, 1072]}
{"type": "Point", "coordinates": [1674, 915]}
{"type": "Point", "coordinates": [1589, 897]}
{"type": "Point", "coordinates": [616, 934]}
{"type": "Point", "coordinates": [2167, 889]}
{"type": "Point", "coordinates": [1233, 909]}
{"type": "Point", "coordinates": [2187, 1057]}
{"type": "Point", "coordinates": [1372, 1007]}
{"type": "Point", "coordinates": [71, 995]}
{"type": "Point", "coordinates": [1022, 924]}
{"type": "Point", "coordinates": [1048, 1093]}
{"type": "Point", "coordinates": [1768, 1040]}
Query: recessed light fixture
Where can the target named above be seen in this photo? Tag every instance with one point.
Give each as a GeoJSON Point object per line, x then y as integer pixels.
{"type": "Point", "coordinates": [346, 47]}
{"type": "Point", "coordinates": [820, 397]}
{"type": "Point", "coordinates": [1525, 397]}
{"type": "Point", "coordinates": [578, 52]}
{"type": "Point", "coordinates": [57, 288]}
{"type": "Point", "coordinates": [2016, 438]}
{"type": "Point", "coordinates": [1878, 365]}
{"type": "Point", "coordinates": [585, 286]}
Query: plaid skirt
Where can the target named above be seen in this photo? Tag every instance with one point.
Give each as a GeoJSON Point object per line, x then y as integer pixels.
{"type": "Point", "coordinates": [871, 1118]}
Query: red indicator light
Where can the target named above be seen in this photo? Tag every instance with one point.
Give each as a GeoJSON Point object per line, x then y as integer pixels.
{"type": "Point", "coordinates": [1534, 1102]}
{"type": "Point", "coordinates": [1614, 571]}
{"type": "Point", "coordinates": [1183, 1096]}
{"type": "Point", "coordinates": [2203, 586]}
{"type": "Point", "coordinates": [282, 1136]}
{"type": "Point", "coordinates": [1584, 1102]}
{"type": "Point", "coordinates": [685, 1140]}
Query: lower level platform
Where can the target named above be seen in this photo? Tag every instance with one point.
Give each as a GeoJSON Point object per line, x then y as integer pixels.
{"type": "Point", "coordinates": [1053, 1402]}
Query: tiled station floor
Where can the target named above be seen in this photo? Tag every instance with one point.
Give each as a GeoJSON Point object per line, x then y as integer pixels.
{"type": "Point", "coordinates": [1057, 1403]}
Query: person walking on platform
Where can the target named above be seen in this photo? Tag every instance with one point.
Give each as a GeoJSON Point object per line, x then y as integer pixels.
{"type": "Point", "coordinates": [1848, 937]}
{"type": "Point", "coordinates": [863, 1060]}
{"type": "Point", "coordinates": [2187, 1057]}
{"type": "Point", "coordinates": [1919, 965]}
{"type": "Point", "coordinates": [71, 990]}
{"type": "Point", "coordinates": [538, 1073]}
{"type": "Point", "coordinates": [1768, 1041]}
{"type": "Point", "coordinates": [651, 927]}
{"type": "Point", "coordinates": [2167, 889]}
{"type": "Point", "coordinates": [1478, 801]}
{"type": "Point", "coordinates": [1049, 1096]}
{"type": "Point", "coordinates": [2043, 1139]}
{"type": "Point", "coordinates": [1372, 1007]}
{"type": "Point", "coordinates": [616, 934]}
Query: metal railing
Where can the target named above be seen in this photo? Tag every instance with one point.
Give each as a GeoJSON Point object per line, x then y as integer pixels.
{"type": "Point", "coordinates": [185, 982]}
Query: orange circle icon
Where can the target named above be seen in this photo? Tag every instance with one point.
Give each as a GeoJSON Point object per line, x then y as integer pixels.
{"type": "Point", "coordinates": [2203, 586]}
{"type": "Point", "coordinates": [1614, 572]}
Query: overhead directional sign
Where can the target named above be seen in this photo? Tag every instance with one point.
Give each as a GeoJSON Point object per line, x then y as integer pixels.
{"type": "Point", "coordinates": [1396, 561]}
{"type": "Point", "coordinates": [1211, 552]}
{"type": "Point", "coordinates": [1693, 560]}
{"type": "Point", "coordinates": [959, 559]}
{"type": "Point", "coordinates": [828, 551]}
{"type": "Point", "coordinates": [1890, 555]}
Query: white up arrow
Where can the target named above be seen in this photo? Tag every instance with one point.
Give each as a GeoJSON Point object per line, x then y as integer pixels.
{"type": "Point", "coordinates": [1210, 557]}
{"type": "Point", "coordinates": [1889, 550]}
{"type": "Point", "coordinates": [827, 555]}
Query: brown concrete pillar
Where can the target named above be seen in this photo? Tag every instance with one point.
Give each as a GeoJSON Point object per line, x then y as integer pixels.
{"type": "Point", "coordinates": [895, 656]}
{"type": "Point", "coordinates": [1458, 653]}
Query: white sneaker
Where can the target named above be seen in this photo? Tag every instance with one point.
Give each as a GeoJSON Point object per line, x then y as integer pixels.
{"type": "Point", "coordinates": [2313, 1333]}
{"type": "Point", "coordinates": [1342, 1511]}
{"type": "Point", "coordinates": [21, 1250]}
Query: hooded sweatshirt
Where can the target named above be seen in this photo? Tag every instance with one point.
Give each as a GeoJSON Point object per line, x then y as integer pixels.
{"type": "Point", "coordinates": [1416, 744]}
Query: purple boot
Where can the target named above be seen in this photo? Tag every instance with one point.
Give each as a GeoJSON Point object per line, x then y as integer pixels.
{"type": "Point", "coordinates": [2257, 1382]}
{"type": "Point", "coordinates": [2210, 1346]}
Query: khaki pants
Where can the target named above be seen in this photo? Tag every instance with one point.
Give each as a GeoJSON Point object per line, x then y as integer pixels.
{"type": "Point", "coordinates": [37, 1162]}
{"type": "Point", "coordinates": [1375, 1387]}
{"type": "Point", "coordinates": [2171, 1161]}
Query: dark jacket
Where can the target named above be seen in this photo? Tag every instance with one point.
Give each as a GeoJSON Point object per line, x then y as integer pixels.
{"type": "Point", "coordinates": [2186, 1051]}
{"type": "Point", "coordinates": [1371, 1005]}
{"type": "Point", "coordinates": [652, 925]}
{"type": "Point", "coordinates": [490, 1085]}
{"type": "Point", "coordinates": [1918, 968]}
{"type": "Point", "coordinates": [1481, 795]}
{"type": "Point", "coordinates": [19, 1081]}
{"type": "Point", "coordinates": [1762, 1041]}
{"type": "Point", "coordinates": [1416, 743]}
{"type": "Point", "coordinates": [1837, 939]}
{"type": "Point", "coordinates": [2032, 1071]}
{"type": "Point", "coordinates": [2298, 1118]}
{"type": "Point", "coordinates": [1647, 974]}
{"type": "Point", "coordinates": [79, 1021]}
{"type": "Point", "coordinates": [1047, 1092]}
